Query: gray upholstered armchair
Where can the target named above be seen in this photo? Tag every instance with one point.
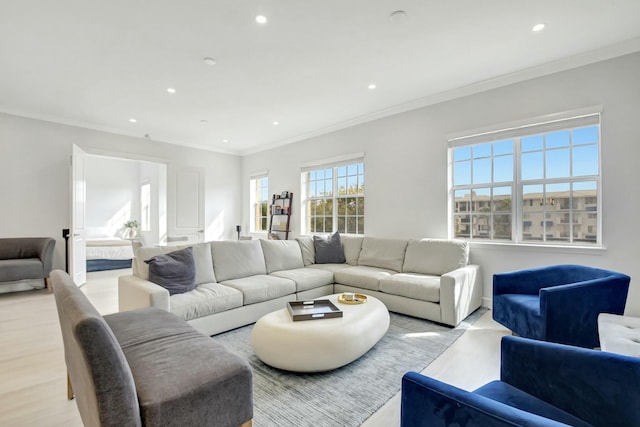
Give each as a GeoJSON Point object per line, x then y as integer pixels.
{"type": "Point", "coordinates": [25, 263]}
{"type": "Point", "coordinates": [147, 367]}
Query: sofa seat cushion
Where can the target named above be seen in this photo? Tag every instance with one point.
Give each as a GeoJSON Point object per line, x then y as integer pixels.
{"type": "Point", "coordinates": [205, 299]}
{"type": "Point", "coordinates": [329, 267]}
{"type": "Point", "coordinates": [520, 310]}
{"type": "Point", "coordinates": [181, 376]}
{"type": "Point", "coordinates": [362, 277]}
{"type": "Point", "coordinates": [306, 278]}
{"type": "Point", "coordinates": [18, 269]}
{"type": "Point", "coordinates": [261, 287]}
{"type": "Point", "coordinates": [516, 398]}
{"type": "Point", "coordinates": [414, 286]}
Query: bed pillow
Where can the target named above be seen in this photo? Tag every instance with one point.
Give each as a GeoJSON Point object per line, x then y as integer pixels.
{"type": "Point", "coordinates": [329, 249]}
{"type": "Point", "coordinates": [175, 271]}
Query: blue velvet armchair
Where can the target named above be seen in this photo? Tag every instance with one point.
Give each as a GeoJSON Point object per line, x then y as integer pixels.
{"type": "Point", "coordinates": [541, 384]}
{"type": "Point", "coordinates": [558, 303]}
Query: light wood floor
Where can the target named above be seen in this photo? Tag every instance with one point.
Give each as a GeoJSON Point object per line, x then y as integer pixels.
{"type": "Point", "coordinates": [33, 373]}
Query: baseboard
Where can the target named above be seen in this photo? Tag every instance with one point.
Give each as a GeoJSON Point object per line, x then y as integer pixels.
{"type": "Point", "coordinates": [487, 303]}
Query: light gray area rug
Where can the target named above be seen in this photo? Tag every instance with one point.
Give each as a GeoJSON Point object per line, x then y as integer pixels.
{"type": "Point", "coordinates": [349, 395]}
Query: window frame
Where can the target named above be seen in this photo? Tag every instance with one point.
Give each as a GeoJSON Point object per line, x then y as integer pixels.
{"type": "Point", "coordinates": [255, 192]}
{"type": "Point", "coordinates": [517, 131]}
{"type": "Point", "coordinates": [145, 207]}
{"type": "Point", "coordinates": [335, 197]}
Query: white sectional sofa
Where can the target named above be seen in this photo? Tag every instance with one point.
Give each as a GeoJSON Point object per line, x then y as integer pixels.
{"type": "Point", "coordinates": [240, 281]}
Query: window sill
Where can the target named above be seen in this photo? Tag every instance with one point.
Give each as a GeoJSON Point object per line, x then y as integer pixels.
{"type": "Point", "coordinates": [532, 247]}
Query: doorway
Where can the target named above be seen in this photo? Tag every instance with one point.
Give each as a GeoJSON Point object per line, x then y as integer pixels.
{"type": "Point", "coordinates": [108, 194]}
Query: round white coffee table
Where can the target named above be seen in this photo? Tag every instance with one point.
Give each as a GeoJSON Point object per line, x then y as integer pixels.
{"type": "Point", "coordinates": [323, 344]}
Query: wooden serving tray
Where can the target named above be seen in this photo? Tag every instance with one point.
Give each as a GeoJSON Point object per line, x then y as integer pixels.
{"type": "Point", "coordinates": [313, 310]}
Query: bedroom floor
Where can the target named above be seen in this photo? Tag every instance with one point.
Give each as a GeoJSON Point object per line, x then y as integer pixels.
{"type": "Point", "coordinates": [33, 374]}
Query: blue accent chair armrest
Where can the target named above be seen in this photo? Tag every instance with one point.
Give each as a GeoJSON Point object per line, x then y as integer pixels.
{"type": "Point", "coordinates": [558, 303]}
{"type": "Point", "coordinates": [541, 384]}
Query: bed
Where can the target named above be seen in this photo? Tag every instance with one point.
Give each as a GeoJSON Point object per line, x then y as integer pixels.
{"type": "Point", "coordinates": [105, 252]}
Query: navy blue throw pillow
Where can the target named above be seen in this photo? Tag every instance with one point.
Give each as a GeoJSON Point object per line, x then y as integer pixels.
{"type": "Point", "coordinates": [329, 250]}
{"type": "Point", "coordinates": [175, 271]}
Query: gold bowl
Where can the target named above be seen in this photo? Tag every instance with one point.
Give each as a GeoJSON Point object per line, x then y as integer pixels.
{"type": "Point", "coordinates": [357, 299]}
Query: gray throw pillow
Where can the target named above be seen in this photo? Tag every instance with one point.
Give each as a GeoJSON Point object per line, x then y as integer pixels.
{"type": "Point", "coordinates": [329, 250]}
{"type": "Point", "coordinates": [175, 271]}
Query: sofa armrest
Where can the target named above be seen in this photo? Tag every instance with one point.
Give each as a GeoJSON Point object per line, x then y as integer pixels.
{"type": "Point", "coordinates": [134, 292]}
{"type": "Point", "coordinates": [577, 305]}
{"type": "Point", "coordinates": [45, 253]}
{"type": "Point", "coordinates": [460, 293]}
{"type": "Point", "coordinates": [593, 385]}
{"type": "Point", "coordinates": [427, 402]}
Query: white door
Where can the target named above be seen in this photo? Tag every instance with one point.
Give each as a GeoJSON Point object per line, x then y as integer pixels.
{"type": "Point", "coordinates": [77, 245]}
{"type": "Point", "coordinates": [189, 207]}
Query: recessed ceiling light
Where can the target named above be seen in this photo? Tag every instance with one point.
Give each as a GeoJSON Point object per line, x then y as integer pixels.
{"type": "Point", "coordinates": [538, 27]}
{"type": "Point", "coordinates": [132, 120]}
{"type": "Point", "coordinates": [276, 123]}
{"type": "Point", "coordinates": [171, 90]}
{"type": "Point", "coordinates": [261, 19]}
{"type": "Point", "coordinates": [209, 61]}
{"type": "Point", "coordinates": [225, 140]}
{"type": "Point", "coordinates": [371, 86]}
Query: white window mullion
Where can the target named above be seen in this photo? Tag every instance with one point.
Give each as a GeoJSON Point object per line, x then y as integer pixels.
{"type": "Point", "coordinates": [561, 218]}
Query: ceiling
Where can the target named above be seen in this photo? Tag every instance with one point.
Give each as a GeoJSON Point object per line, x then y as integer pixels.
{"type": "Point", "coordinates": [99, 64]}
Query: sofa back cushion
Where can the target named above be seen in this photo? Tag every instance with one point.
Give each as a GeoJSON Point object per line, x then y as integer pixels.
{"type": "Point", "coordinates": [235, 259]}
{"type": "Point", "coordinates": [382, 253]}
{"type": "Point", "coordinates": [100, 375]}
{"type": "Point", "coordinates": [352, 245]}
{"type": "Point", "coordinates": [201, 257]}
{"type": "Point", "coordinates": [435, 256]}
{"type": "Point", "coordinates": [281, 255]}
{"type": "Point", "coordinates": [308, 249]}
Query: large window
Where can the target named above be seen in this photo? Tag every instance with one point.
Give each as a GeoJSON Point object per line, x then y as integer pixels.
{"type": "Point", "coordinates": [535, 183]}
{"type": "Point", "coordinates": [334, 198]}
{"type": "Point", "coordinates": [259, 200]}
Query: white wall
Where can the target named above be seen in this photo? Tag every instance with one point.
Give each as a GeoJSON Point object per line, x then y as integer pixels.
{"type": "Point", "coordinates": [406, 165]}
{"type": "Point", "coordinates": [155, 175]}
{"type": "Point", "coordinates": [34, 176]}
{"type": "Point", "coordinates": [111, 191]}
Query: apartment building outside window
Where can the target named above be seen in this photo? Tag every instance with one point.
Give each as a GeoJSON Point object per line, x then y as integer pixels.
{"type": "Point", "coordinates": [259, 201]}
{"type": "Point", "coordinates": [533, 183]}
{"type": "Point", "coordinates": [333, 197]}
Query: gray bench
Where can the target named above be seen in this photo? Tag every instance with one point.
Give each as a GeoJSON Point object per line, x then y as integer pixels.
{"type": "Point", "coordinates": [147, 367]}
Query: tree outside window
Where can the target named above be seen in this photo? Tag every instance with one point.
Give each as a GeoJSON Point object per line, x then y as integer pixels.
{"type": "Point", "coordinates": [334, 199]}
